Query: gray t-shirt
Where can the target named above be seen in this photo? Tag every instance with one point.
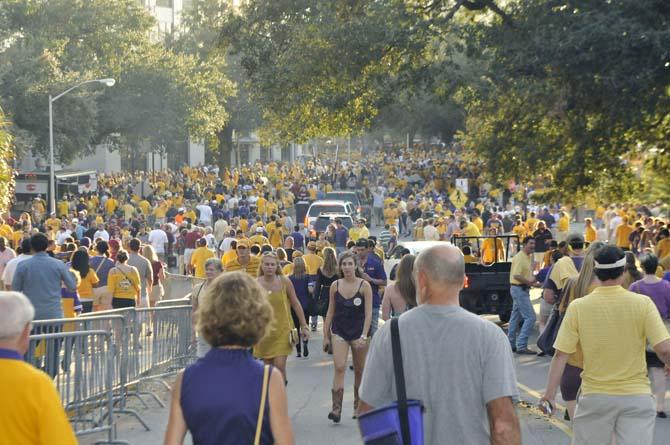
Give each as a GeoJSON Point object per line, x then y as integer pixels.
{"type": "Point", "coordinates": [144, 268]}
{"type": "Point", "coordinates": [454, 362]}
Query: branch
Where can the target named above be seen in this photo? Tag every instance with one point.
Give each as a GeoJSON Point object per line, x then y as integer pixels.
{"type": "Point", "coordinates": [478, 5]}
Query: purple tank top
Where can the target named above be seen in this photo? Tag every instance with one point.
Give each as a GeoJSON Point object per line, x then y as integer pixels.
{"type": "Point", "coordinates": [349, 315]}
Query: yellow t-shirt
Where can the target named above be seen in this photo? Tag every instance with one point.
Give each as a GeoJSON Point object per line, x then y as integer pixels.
{"type": "Point", "coordinates": [477, 221]}
{"type": "Point", "coordinates": [312, 263]}
{"type": "Point", "coordinates": [32, 412]}
{"type": "Point", "coordinates": [489, 250]}
{"type": "Point", "coordinates": [86, 284]}
{"type": "Point", "coordinates": [522, 266]}
{"type": "Point", "coordinates": [258, 239]}
{"type": "Point", "coordinates": [589, 234]}
{"type": "Point", "coordinates": [663, 248]}
{"type": "Point", "coordinates": [563, 224]}
{"type": "Point", "coordinates": [198, 258]}
{"type": "Point", "coordinates": [124, 286]}
{"type": "Point", "coordinates": [275, 234]}
{"type": "Point", "coordinates": [531, 223]}
{"type": "Point", "coordinates": [111, 205]}
{"type": "Point", "coordinates": [63, 208]}
{"type": "Point", "coordinates": [251, 268]}
{"type": "Point", "coordinates": [228, 256]}
{"type": "Point", "coordinates": [612, 325]}
{"type": "Point", "coordinates": [471, 230]}
{"type": "Point", "coordinates": [563, 270]}
{"type": "Point", "coordinates": [622, 233]}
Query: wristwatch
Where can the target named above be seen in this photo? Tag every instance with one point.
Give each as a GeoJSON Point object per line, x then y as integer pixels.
{"type": "Point", "coordinates": [364, 337]}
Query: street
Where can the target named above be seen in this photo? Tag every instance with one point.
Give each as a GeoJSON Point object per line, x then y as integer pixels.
{"type": "Point", "coordinates": [309, 403]}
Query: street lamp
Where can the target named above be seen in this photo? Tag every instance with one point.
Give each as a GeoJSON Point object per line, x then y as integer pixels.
{"type": "Point", "coordinates": [52, 175]}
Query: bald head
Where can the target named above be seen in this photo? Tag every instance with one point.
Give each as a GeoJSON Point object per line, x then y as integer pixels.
{"type": "Point", "coordinates": [442, 265]}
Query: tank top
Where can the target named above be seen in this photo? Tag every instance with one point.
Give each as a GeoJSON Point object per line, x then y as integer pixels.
{"type": "Point", "coordinates": [220, 398]}
{"type": "Point", "coordinates": [349, 315]}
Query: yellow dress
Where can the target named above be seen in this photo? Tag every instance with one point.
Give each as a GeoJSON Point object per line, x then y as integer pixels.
{"type": "Point", "coordinates": [276, 342]}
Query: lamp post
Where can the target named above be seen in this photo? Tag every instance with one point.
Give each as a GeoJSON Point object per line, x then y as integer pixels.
{"type": "Point", "coordinates": [52, 175]}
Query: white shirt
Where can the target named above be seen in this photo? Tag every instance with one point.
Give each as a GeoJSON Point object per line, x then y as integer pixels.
{"type": "Point", "coordinates": [61, 236]}
{"type": "Point", "coordinates": [220, 229]}
{"type": "Point", "coordinates": [6, 257]}
{"type": "Point", "coordinates": [10, 268]}
{"type": "Point", "coordinates": [158, 239]}
{"type": "Point", "coordinates": [225, 244]}
{"type": "Point", "coordinates": [430, 233]}
{"type": "Point", "coordinates": [101, 234]}
{"type": "Point", "coordinates": [205, 214]}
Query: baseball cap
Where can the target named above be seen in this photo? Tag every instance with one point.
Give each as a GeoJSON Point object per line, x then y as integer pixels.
{"type": "Point", "coordinates": [259, 230]}
{"type": "Point", "coordinates": [242, 243]}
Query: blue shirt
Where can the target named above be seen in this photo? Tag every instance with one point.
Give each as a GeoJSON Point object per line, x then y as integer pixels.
{"type": "Point", "coordinates": [39, 278]}
{"type": "Point", "coordinates": [298, 241]}
{"type": "Point", "coordinates": [225, 412]}
{"type": "Point", "coordinates": [375, 268]}
{"type": "Point", "coordinates": [341, 235]}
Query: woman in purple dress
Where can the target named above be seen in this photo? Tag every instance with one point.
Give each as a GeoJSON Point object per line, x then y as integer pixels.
{"type": "Point", "coordinates": [347, 326]}
{"type": "Point", "coordinates": [226, 398]}
{"type": "Point", "coordinates": [659, 291]}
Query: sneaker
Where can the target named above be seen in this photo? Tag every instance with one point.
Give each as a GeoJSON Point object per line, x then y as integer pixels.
{"type": "Point", "coordinates": [313, 328]}
{"type": "Point", "coordinates": [661, 415]}
{"type": "Point", "coordinates": [305, 349]}
{"type": "Point", "coordinates": [526, 351]}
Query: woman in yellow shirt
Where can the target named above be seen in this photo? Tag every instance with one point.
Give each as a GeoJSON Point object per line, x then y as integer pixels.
{"type": "Point", "coordinates": [89, 279]}
{"type": "Point", "coordinates": [123, 283]}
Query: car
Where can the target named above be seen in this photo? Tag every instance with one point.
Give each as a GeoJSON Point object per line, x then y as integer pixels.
{"type": "Point", "coordinates": [352, 196]}
{"type": "Point", "coordinates": [324, 219]}
{"type": "Point", "coordinates": [327, 206]}
{"type": "Point", "coordinates": [414, 248]}
{"type": "Point", "coordinates": [487, 286]}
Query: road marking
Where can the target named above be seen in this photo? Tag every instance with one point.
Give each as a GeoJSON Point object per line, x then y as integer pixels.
{"type": "Point", "coordinates": [535, 410]}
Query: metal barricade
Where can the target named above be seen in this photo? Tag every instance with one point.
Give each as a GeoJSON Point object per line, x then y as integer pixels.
{"type": "Point", "coordinates": [82, 365]}
{"type": "Point", "coordinates": [118, 323]}
{"type": "Point", "coordinates": [146, 344]}
{"type": "Point", "coordinates": [178, 286]}
{"type": "Point", "coordinates": [186, 301]}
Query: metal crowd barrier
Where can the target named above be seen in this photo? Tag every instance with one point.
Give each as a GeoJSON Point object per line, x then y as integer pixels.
{"type": "Point", "coordinates": [82, 364]}
{"type": "Point", "coordinates": [176, 286]}
{"type": "Point", "coordinates": [146, 344]}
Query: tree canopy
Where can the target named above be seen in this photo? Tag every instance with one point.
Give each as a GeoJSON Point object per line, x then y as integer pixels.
{"type": "Point", "coordinates": [161, 94]}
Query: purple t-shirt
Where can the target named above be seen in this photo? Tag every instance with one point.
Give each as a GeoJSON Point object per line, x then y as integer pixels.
{"type": "Point", "coordinates": [659, 293]}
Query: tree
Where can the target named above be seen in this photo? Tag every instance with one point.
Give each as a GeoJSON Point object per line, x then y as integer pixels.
{"type": "Point", "coordinates": [6, 170]}
{"type": "Point", "coordinates": [201, 24]}
{"type": "Point", "coordinates": [573, 88]}
{"type": "Point", "coordinates": [160, 95]}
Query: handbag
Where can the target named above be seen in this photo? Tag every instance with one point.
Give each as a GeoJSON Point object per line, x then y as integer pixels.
{"type": "Point", "coordinates": [293, 337]}
{"type": "Point", "coordinates": [318, 304]}
{"type": "Point", "coordinates": [261, 410]}
{"type": "Point", "coordinates": [546, 340]}
{"type": "Point", "coordinates": [400, 422]}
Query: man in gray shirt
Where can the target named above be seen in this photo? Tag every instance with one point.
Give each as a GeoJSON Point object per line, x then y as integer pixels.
{"type": "Point", "coordinates": [40, 277]}
{"type": "Point", "coordinates": [143, 266]}
{"type": "Point", "coordinates": [459, 365]}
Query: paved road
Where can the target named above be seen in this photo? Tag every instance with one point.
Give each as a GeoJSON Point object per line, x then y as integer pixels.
{"type": "Point", "coordinates": [309, 402]}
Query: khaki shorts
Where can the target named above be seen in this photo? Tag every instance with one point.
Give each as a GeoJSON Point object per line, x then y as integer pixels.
{"type": "Point", "coordinates": [101, 296]}
{"type": "Point", "coordinates": [630, 418]}
{"type": "Point", "coordinates": [157, 293]}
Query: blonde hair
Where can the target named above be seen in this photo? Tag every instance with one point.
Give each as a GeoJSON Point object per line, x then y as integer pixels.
{"type": "Point", "coordinates": [278, 270]}
{"type": "Point", "coordinates": [234, 311]}
{"type": "Point", "coordinates": [299, 267]}
{"type": "Point", "coordinates": [579, 286]}
{"type": "Point", "coordinates": [149, 253]}
{"type": "Point", "coordinates": [329, 267]}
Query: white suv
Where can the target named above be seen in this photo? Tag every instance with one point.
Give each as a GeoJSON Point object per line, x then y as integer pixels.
{"type": "Point", "coordinates": [327, 206]}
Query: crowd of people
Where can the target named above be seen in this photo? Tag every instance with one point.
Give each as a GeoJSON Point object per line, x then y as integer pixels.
{"type": "Point", "coordinates": [264, 280]}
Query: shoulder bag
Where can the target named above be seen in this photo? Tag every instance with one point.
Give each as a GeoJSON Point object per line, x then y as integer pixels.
{"type": "Point", "coordinates": [293, 335]}
{"type": "Point", "coordinates": [261, 410]}
{"type": "Point", "coordinates": [545, 342]}
{"type": "Point", "coordinates": [400, 422]}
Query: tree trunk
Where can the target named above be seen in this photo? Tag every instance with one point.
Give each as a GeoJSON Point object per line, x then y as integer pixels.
{"type": "Point", "coordinates": [225, 147]}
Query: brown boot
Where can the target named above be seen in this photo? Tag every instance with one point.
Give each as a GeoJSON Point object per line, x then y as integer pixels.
{"type": "Point", "coordinates": [356, 400]}
{"type": "Point", "coordinates": [336, 413]}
